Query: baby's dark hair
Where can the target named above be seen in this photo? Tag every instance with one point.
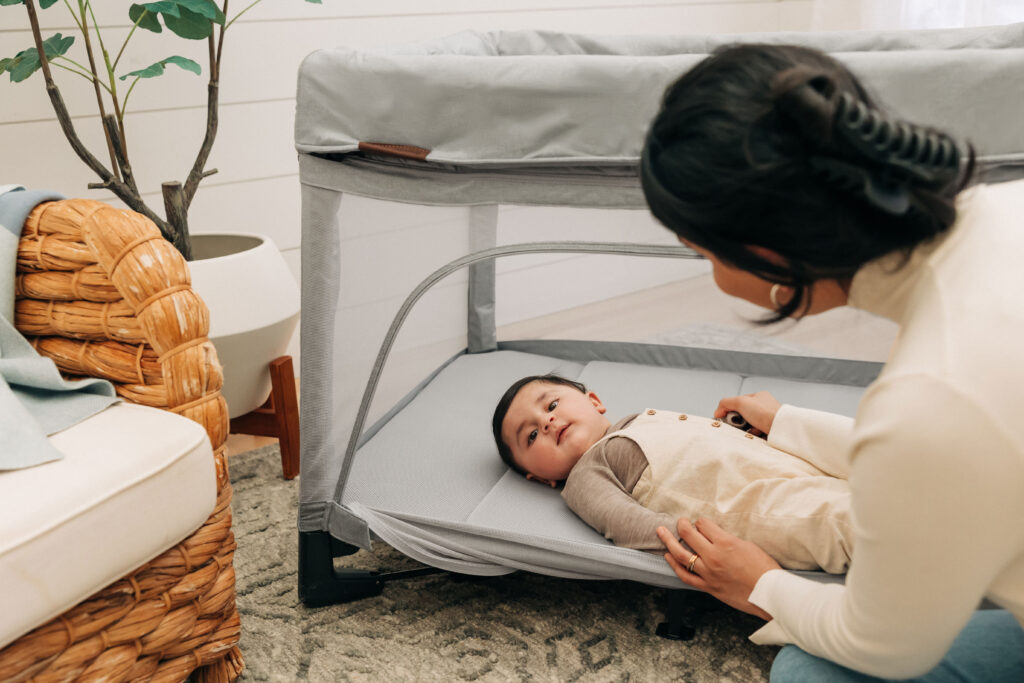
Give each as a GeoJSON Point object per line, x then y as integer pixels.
{"type": "Point", "coordinates": [506, 400]}
{"type": "Point", "coordinates": [781, 147]}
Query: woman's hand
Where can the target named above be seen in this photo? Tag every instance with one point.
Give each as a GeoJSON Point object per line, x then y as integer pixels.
{"type": "Point", "coordinates": [726, 567]}
{"type": "Point", "coordinates": [757, 409]}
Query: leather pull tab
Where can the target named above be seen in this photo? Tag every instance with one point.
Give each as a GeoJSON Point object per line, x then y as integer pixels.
{"type": "Point", "coordinates": [403, 151]}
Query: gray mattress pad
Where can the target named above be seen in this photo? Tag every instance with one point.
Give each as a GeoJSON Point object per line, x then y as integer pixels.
{"type": "Point", "coordinates": [430, 483]}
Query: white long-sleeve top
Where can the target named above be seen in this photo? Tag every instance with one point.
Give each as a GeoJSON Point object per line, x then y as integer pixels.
{"type": "Point", "coordinates": [935, 456]}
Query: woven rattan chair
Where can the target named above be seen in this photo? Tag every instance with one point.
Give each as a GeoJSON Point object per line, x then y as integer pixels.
{"type": "Point", "coordinates": [102, 294]}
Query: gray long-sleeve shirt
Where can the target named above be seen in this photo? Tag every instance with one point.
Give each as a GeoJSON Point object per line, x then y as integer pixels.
{"type": "Point", "coordinates": [598, 490]}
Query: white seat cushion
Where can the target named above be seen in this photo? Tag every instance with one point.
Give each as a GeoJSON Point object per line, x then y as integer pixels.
{"type": "Point", "coordinates": [134, 481]}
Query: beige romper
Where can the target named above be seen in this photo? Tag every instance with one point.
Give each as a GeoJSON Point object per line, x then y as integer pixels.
{"type": "Point", "coordinates": [698, 467]}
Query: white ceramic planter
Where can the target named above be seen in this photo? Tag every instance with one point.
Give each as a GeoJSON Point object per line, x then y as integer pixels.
{"type": "Point", "coordinates": [254, 308]}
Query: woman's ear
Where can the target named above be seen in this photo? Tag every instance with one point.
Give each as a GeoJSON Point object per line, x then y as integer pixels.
{"type": "Point", "coordinates": [596, 402]}
{"type": "Point", "coordinates": [532, 477]}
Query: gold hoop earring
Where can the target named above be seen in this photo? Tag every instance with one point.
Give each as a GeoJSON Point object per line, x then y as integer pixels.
{"type": "Point", "coordinates": [773, 295]}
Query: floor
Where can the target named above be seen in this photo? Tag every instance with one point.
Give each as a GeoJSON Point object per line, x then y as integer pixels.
{"type": "Point", "coordinates": [240, 443]}
{"type": "Point", "coordinates": [693, 302]}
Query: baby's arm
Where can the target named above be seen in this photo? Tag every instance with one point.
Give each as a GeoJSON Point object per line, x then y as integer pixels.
{"type": "Point", "coordinates": [595, 491]}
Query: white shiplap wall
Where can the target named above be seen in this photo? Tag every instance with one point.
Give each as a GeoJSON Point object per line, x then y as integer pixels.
{"type": "Point", "coordinates": [256, 189]}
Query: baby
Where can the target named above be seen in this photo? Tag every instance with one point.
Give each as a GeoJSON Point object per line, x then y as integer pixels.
{"type": "Point", "coordinates": [649, 469]}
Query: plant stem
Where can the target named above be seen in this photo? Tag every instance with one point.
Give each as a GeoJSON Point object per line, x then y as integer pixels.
{"type": "Point", "coordinates": [123, 192]}
{"type": "Point", "coordinates": [67, 4]}
{"type": "Point", "coordinates": [110, 124]}
{"type": "Point", "coordinates": [223, 30]}
{"type": "Point", "coordinates": [84, 74]}
{"type": "Point", "coordinates": [177, 215]}
{"type": "Point", "coordinates": [96, 83]}
{"type": "Point", "coordinates": [33, 21]}
{"type": "Point", "coordinates": [129, 37]}
{"type": "Point", "coordinates": [251, 5]}
{"type": "Point", "coordinates": [199, 171]}
{"type": "Point", "coordinates": [212, 57]}
{"type": "Point", "coordinates": [129, 93]}
{"type": "Point", "coordinates": [112, 89]}
{"type": "Point", "coordinates": [83, 68]}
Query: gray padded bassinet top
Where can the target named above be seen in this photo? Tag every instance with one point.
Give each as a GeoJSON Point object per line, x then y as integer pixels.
{"type": "Point", "coordinates": [430, 483]}
{"type": "Point", "coordinates": [529, 98]}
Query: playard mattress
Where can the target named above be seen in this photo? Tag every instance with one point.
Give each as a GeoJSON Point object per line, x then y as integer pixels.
{"type": "Point", "coordinates": [430, 483]}
{"type": "Point", "coordinates": [415, 157]}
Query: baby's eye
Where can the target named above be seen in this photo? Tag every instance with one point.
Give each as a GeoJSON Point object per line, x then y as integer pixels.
{"type": "Point", "coordinates": [553, 405]}
{"type": "Point", "coordinates": [531, 437]}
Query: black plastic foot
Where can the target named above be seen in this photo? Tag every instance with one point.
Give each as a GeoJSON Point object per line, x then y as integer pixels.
{"type": "Point", "coordinates": [676, 627]}
{"type": "Point", "coordinates": [321, 584]}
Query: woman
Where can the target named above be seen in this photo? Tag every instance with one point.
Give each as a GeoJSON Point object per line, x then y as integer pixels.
{"type": "Point", "coordinates": [774, 163]}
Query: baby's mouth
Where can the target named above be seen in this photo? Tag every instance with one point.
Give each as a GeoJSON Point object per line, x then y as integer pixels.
{"type": "Point", "coordinates": [561, 434]}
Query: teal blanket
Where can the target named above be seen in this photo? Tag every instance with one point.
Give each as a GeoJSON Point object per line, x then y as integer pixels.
{"type": "Point", "coordinates": [35, 401]}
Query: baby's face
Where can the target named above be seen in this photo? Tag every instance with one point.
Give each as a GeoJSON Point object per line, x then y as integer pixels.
{"type": "Point", "coordinates": [549, 426]}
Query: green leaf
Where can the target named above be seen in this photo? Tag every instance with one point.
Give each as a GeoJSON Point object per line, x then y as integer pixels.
{"type": "Point", "coordinates": [192, 19]}
{"type": "Point", "coordinates": [189, 25]}
{"type": "Point", "coordinates": [43, 4]}
{"type": "Point", "coordinates": [144, 18]}
{"type": "Point", "coordinates": [26, 62]}
{"type": "Point", "coordinates": [22, 65]}
{"type": "Point", "coordinates": [206, 8]}
{"type": "Point", "coordinates": [157, 69]}
{"type": "Point", "coordinates": [315, 2]}
{"type": "Point", "coordinates": [56, 45]}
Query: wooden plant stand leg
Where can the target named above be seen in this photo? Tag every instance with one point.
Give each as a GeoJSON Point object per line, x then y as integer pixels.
{"type": "Point", "coordinates": [279, 416]}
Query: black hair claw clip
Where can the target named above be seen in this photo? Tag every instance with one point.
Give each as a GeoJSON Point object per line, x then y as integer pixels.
{"type": "Point", "coordinates": [892, 197]}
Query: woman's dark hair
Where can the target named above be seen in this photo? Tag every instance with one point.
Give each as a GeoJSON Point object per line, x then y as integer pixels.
{"type": "Point", "coordinates": [506, 400]}
{"type": "Point", "coordinates": [781, 147]}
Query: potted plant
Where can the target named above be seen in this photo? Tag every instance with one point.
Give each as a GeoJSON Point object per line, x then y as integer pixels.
{"type": "Point", "coordinates": [224, 280]}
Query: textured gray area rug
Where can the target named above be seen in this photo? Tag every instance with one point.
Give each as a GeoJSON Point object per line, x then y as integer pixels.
{"type": "Point", "coordinates": [521, 627]}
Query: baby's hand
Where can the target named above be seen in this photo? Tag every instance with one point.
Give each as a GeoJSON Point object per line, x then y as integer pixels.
{"type": "Point", "coordinates": [757, 409]}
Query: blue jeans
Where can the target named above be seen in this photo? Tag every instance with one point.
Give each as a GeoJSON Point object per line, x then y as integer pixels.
{"type": "Point", "coordinates": [990, 649]}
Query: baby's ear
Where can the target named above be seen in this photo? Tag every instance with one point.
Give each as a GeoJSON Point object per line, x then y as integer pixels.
{"type": "Point", "coordinates": [597, 402]}
{"type": "Point", "coordinates": [542, 480]}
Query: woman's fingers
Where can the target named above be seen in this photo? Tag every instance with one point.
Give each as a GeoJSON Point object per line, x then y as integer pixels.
{"type": "Point", "coordinates": [711, 531]}
{"type": "Point", "coordinates": [725, 566]}
{"type": "Point", "coordinates": [678, 559]}
{"type": "Point", "coordinates": [726, 405]}
{"type": "Point", "coordinates": [692, 537]}
{"type": "Point", "coordinates": [673, 545]}
{"type": "Point", "coordinates": [687, 577]}
{"type": "Point", "coordinates": [758, 409]}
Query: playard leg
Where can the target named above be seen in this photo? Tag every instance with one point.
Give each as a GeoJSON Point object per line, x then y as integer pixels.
{"type": "Point", "coordinates": [676, 626]}
{"type": "Point", "coordinates": [321, 584]}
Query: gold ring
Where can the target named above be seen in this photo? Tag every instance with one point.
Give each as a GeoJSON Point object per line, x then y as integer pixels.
{"type": "Point", "coordinates": [693, 560]}
{"type": "Point", "coordinates": [773, 295]}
